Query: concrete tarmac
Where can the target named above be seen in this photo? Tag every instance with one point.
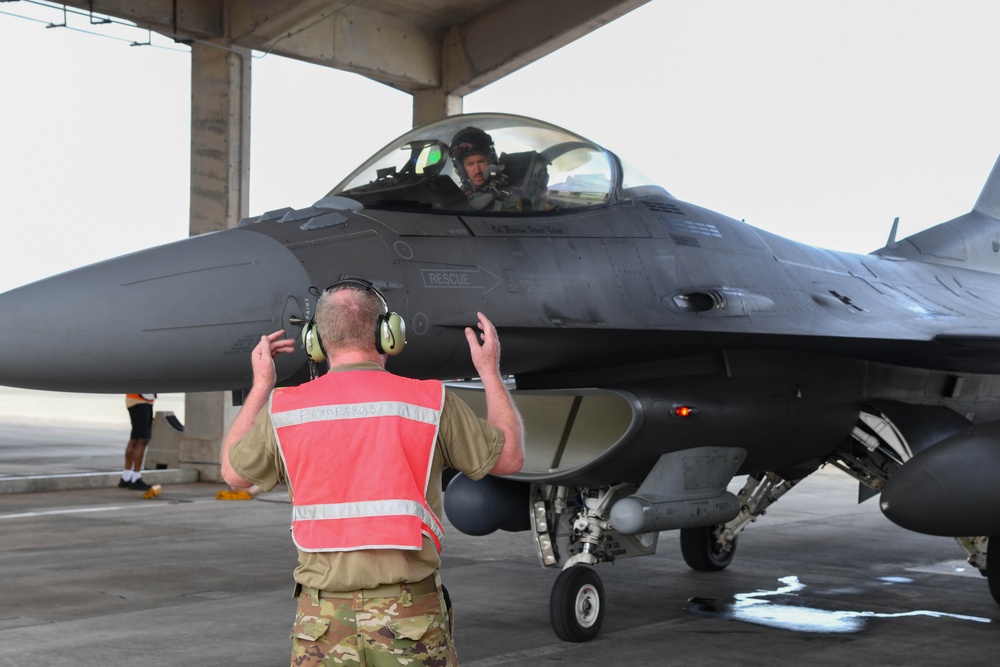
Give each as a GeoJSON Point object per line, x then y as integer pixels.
{"type": "Point", "coordinates": [101, 576]}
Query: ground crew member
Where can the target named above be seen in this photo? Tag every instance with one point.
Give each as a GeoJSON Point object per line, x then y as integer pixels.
{"type": "Point", "coordinates": [362, 451]}
{"type": "Point", "coordinates": [140, 413]}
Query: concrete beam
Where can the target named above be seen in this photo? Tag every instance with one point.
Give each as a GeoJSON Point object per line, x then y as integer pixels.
{"type": "Point", "coordinates": [201, 19]}
{"type": "Point", "coordinates": [271, 20]}
{"type": "Point", "coordinates": [376, 43]}
{"type": "Point", "coordinates": [458, 61]}
{"type": "Point", "coordinates": [518, 32]}
{"type": "Point", "coordinates": [354, 39]}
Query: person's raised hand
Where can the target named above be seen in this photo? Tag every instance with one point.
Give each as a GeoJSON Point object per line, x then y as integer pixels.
{"type": "Point", "coordinates": [484, 347]}
{"type": "Point", "coordinates": [263, 356]}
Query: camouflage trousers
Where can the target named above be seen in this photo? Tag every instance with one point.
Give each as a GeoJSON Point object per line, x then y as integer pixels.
{"type": "Point", "coordinates": [408, 629]}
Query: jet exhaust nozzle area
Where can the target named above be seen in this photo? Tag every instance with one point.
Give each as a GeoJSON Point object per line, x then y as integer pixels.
{"type": "Point", "coordinates": [949, 489]}
{"type": "Point", "coordinates": [178, 317]}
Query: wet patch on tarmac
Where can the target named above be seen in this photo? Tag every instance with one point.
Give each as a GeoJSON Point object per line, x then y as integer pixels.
{"type": "Point", "coordinates": [955, 567]}
{"type": "Point", "coordinates": [785, 610]}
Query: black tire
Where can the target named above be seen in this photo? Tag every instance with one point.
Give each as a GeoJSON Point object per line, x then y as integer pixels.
{"type": "Point", "coordinates": [993, 567]}
{"type": "Point", "coordinates": [703, 552]}
{"type": "Point", "coordinates": [576, 606]}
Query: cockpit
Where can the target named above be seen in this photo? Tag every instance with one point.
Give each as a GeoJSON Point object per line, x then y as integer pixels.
{"type": "Point", "coordinates": [524, 166]}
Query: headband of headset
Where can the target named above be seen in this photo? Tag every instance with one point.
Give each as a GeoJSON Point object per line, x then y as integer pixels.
{"type": "Point", "coordinates": [390, 329]}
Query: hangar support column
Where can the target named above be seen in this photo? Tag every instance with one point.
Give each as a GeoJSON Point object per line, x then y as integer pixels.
{"type": "Point", "coordinates": [432, 104]}
{"type": "Point", "coordinates": [220, 182]}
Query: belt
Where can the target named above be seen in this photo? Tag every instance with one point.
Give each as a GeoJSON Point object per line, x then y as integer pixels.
{"type": "Point", "coordinates": [422, 587]}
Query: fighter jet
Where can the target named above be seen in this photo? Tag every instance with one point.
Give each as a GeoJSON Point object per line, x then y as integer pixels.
{"type": "Point", "coordinates": [657, 349]}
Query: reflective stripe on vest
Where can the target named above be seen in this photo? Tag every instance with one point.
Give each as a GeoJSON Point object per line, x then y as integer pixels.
{"type": "Point", "coordinates": [358, 447]}
{"type": "Point", "coordinates": [356, 411]}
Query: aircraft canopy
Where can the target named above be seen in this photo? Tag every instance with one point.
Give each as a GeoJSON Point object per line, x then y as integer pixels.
{"type": "Point", "coordinates": [537, 168]}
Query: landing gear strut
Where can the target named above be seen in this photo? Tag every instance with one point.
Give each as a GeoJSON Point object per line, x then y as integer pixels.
{"type": "Point", "coordinates": [573, 522]}
{"type": "Point", "coordinates": [711, 548]}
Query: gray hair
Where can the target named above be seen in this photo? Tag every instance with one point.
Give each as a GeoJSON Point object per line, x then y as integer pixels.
{"type": "Point", "coordinates": [346, 317]}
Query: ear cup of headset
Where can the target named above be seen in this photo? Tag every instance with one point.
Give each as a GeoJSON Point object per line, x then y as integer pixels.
{"type": "Point", "coordinates": [390, 334]}
{"type": "Point", "coordinates": [312, 344]}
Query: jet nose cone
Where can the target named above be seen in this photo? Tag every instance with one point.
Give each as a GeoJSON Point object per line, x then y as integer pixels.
{"type": "Point", "coordinates": [178, 317]}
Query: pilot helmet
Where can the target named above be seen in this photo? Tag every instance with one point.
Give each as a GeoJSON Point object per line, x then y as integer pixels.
{"type": "Point", "coordinates": [471, 141]}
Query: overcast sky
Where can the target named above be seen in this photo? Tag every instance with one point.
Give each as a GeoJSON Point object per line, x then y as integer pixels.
{"type": "Point", "coordinates": [820, 121]}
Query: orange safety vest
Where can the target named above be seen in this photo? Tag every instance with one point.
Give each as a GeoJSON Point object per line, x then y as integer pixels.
{"type": "Point", "coordinates": [357, 447]}
{"type": "Point", "coordinates": [143, 398]}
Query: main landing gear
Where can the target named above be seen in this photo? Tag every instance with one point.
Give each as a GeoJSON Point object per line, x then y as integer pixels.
{"type": "Point", "coordinates": [993, 571]}
{"type": "Point", "coordinates": [712, 548]}
{"type": "Point", "coordinates": [703, 550]}
{"type": "Point", "coordinates": [575, 521]}
{"type": "Point", "coordinates": [876, 450]}
{"type": "Point", "coordinates": [977, 554]}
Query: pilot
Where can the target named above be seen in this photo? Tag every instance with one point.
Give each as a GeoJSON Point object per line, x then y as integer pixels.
{"type": "Point", "coordinates": [483, 181]}
{"type": "Point", "coordinates": [360, 438]}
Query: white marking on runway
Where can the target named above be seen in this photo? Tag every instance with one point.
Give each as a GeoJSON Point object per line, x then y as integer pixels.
{"type": "Point", "coordinates": [80, 510]}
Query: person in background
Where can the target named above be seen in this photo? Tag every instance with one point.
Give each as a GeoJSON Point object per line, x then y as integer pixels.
{"type": "Point", "coordinates": [140, 412]}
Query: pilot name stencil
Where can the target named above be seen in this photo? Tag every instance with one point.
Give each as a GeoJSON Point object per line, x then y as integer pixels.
{"type": "Point", "coordinates": [543, 230]}
{"type": "Point", "coordinates": [547, 282]}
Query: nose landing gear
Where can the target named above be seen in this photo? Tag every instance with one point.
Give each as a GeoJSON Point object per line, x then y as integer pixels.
{"type": "Point", "coordinates": [573, 521]}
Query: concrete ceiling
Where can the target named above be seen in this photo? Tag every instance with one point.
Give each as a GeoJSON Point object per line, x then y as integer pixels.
{"type": "Point", "coordinates": [453, 47]}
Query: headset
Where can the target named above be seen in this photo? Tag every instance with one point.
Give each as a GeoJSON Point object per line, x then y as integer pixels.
{"type": "Point", "coordinates": [390, 329]}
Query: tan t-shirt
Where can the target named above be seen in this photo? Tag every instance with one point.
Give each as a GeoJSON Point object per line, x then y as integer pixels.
{"type": "Point", "coordinates": [465, 442]}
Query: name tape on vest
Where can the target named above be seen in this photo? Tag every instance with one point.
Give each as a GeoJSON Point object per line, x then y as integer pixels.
{"type": "Point", "coordinates": [356, 411]}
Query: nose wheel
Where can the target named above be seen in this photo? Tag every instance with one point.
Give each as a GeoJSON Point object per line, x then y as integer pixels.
{"type": "Point", "coordinates": [576, 606]}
